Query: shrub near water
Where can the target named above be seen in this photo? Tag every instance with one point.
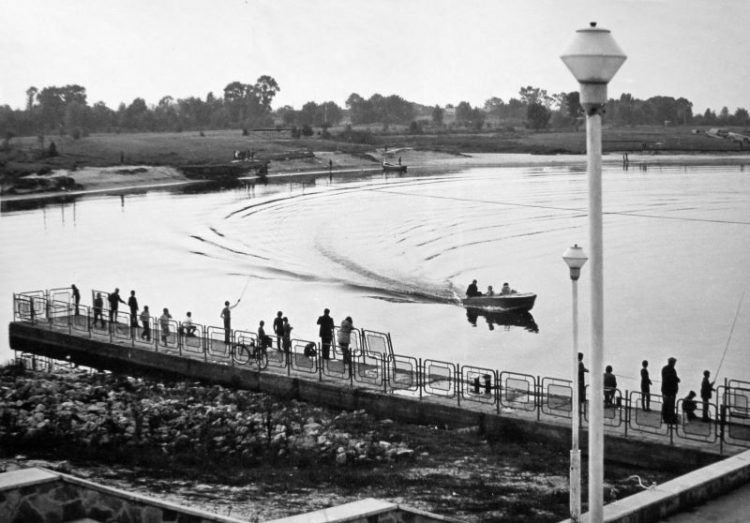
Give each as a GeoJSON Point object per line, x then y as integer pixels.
{"type": "Point", "coordinates": [92, 413]}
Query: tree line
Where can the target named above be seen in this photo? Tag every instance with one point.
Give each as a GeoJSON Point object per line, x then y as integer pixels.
{"type": "Point", "coordinates": [65, 110]}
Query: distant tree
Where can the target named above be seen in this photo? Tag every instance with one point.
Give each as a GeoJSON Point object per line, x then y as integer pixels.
{"type": "Point", "coordinates": [437, 116]}
{"type": "Point", "coordinates": [534, 95]}
{"type": "Point", "coordinates": [494, 106]}
{"type": "Point", "coordinates": [265, 89]}
{"type": "Point", "coordinates": [359, 110]}
{"type": "Point", "coordinates": [415, 127]}
{"type": "Point", "coordinates": [102, 117]}
{"type": "Point", "coordinates": [31, 93]}
{"type": "Point", "coordinates": [724, 115]}
{"type": "Point", "coordinates": [741, 117]}
{"type": "Point", "coordinates": [76, 119]}
{"type": "Point", "coordinates": [538, 116]}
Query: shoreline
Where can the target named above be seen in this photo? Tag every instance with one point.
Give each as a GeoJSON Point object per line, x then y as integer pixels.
{"type": "Point", "coordinates": [128, 179]}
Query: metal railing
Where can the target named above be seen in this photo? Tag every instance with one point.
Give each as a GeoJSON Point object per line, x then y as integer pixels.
{"type": "Point", "coordinates": [374, 364]}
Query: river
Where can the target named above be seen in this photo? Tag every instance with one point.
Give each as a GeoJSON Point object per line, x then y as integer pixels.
{"type": "Point", "coordinates": [395, 253]}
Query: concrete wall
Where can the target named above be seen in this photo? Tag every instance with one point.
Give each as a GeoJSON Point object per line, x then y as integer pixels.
{"type": "Point", "coordinates": [99, 354]}
{"type": "Point", "coordinates": [39, 496]}
{"type": "Point", "coordinates": [682, 493]}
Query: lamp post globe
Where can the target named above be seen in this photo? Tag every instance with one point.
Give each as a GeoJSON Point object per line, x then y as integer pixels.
{"type": "Point", "coordinates": [576, 259]}
{"type": "Point", "coordinates": [594, 57]}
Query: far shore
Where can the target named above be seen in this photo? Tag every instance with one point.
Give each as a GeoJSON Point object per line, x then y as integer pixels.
{"type": "Point", "coordinates": [138, 162]}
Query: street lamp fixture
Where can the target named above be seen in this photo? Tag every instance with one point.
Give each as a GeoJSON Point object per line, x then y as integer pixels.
{"type": "Point", "coordinates": [575, 258]}
{"type": "Point", "coordinates": [594, 57]}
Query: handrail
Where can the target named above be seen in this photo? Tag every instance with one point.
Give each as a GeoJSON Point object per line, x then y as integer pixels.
{"type": "Point", "coordinates": [374, 364]}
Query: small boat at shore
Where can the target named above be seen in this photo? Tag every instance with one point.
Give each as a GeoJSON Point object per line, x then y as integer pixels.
{"type": "Point", "coordinates": [393, 167]}
{"type": "Point", "coordinates": [517, 301]}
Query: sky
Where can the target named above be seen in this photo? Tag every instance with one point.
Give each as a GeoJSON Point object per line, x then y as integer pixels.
{"type": "Point", "coordinates": [427, 51]}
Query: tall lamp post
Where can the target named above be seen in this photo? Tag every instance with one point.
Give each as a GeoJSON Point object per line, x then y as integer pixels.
{"type": "Point", "coordinates": [594, 57]}
{"type": "Point", "coordinates": [575, 258]}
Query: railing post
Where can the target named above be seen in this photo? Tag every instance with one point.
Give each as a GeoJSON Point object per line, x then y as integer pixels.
{"type": "Point", "coordinates": [420, 377]}
{"type": "Point", "coordinates": [459, 383]}
{"type": "Point", "coordinates": [627, 411]}
{"type": "Point", "coordinates": [538, 397]}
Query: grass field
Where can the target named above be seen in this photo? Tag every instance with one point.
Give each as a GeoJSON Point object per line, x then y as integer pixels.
{"type": "Point", "coordinates": [212, 147]}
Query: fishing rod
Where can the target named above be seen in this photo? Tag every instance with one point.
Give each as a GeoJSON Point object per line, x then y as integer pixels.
{"type": "Point", "coordinates": [247, 282]}
{"type": "Point", "coordinates": [731, 331]}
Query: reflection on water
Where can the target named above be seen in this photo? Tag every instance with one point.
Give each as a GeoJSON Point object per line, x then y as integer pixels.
{"type": "Point", "coordinates": [395, 252]}
{"type": "Point", "coordinates": [503, 319]}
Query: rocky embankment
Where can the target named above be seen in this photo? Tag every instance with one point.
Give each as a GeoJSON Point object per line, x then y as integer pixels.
{"type": "Point", "coordinates": [117, 414]}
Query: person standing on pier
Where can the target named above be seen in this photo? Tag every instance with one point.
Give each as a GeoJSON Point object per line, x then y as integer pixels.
{"type": "Point", "coordinates": [287, 335]}
{"type": "Point", "coordinates": [98, 308]}
{"type": "Point", "coordinates": [645, 387]}
{"type": "Point", "coordinates": [146, 322]}
{"type": "Point", "coordinates": [582, 370]}
{"type": "Point", "coordinates": [326, 333]}
{"type": "Point", "coordinates": [164, 325]}
{"type": "Point", "coordinates": [610, 386]}
{"type": "Point", "coordinates": [707, 387]}
{"type": "Point", "coordinates": [669, 387]}
{"type": "Point", "coordinates": [76, 296]}
{"type": "Point", "coordinates": [114, 303]}
{"type": "Point", "coordinates": [278, 328]}
{"type": "Point", "coordinates": [344, 339]}
{"type": "Point", "coordinates": [133, 304]}
{"type": "Point", "coordinates": [226, 315]}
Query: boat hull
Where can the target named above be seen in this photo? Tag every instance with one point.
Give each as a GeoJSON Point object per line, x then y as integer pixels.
{"type": "Point", "coordinates": [522, 301]}
{"type": "Point", "coordinates": [390, 167]}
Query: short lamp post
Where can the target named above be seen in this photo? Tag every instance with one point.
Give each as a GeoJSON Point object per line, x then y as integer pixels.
{"type": "Point", "coordinates": [575, 258]}
{"type": "Point", "coordinates": [594, 57]}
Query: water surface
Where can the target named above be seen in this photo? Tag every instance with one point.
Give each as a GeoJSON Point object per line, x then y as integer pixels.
{"type": "Point", "coordinates": [395, 253]}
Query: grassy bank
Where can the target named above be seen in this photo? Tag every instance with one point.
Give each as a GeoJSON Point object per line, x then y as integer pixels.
{"type": "Point", "coordinates": [210, 153]}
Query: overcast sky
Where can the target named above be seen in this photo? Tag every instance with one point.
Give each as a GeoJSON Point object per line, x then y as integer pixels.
{"type": "Point", "coordinates": [428, 51]}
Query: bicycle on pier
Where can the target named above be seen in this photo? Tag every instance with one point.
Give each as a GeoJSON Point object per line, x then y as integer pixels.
{"type": "Point", "coordinates": [246, 351]}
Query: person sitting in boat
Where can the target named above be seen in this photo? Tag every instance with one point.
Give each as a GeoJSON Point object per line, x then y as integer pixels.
{"type": "Point", "coordinates": [472, 290]}
{"type": "Point", "coordinates": [506, 289]}
{"type": "Point", "coordinates": [490, 291]}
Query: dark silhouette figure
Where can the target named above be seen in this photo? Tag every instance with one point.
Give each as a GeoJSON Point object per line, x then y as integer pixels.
{"type": "Point", "coordinates": [226, 315]}
{"type": "Point", "coordinates": [278, 328]}
{"type": "Point", "coordinates": [146, 322]}
{"type": "Point", "coordinates": [326, 333]}
{"type": "Point", "coordinates": [76, 297]}
{"type": "Point", "coordinates": [689, 406]}
{"type": "Point", "coordinates": [287, 336]}
{"type": "Point", "coordinates": [669, 387]}
{"type": "Point", "coordinates": [472, 290]}
{"type": "Point", "coordinates": [707, 387]}
{"type": "Point", "coordinates": [582, 370]}
{"type": "Point", "coordinates": [645, 387]}
{"type": "Point", "coordinates": [344, 340]}
{"type": "Point", "coordinates": [610, 386]}
{"type": "Point", "coordinates": [114, 303]}
{"type": "Point", "coordinates": [98, 309]}
{"type": "Point", "coordinates": [164, 325]}
{"type": "Point", "coordinates": [133, 304]}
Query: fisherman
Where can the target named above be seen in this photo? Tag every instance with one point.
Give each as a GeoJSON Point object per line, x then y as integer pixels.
{"type": "Point", "coordinates": [506, 289]}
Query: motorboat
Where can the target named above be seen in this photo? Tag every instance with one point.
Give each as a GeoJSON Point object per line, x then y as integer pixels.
{"type": "Point", "coordinates": [515, 301]}
{"type": "Point", "coordinates": [393, 167]}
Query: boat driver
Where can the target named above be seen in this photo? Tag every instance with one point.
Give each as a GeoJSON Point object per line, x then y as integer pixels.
{"type": "Point", "coordinates": [472, 290]}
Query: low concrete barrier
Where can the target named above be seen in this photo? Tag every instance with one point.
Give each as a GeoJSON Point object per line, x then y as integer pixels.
{"type": "Point", "coordinates": [681, 493]}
